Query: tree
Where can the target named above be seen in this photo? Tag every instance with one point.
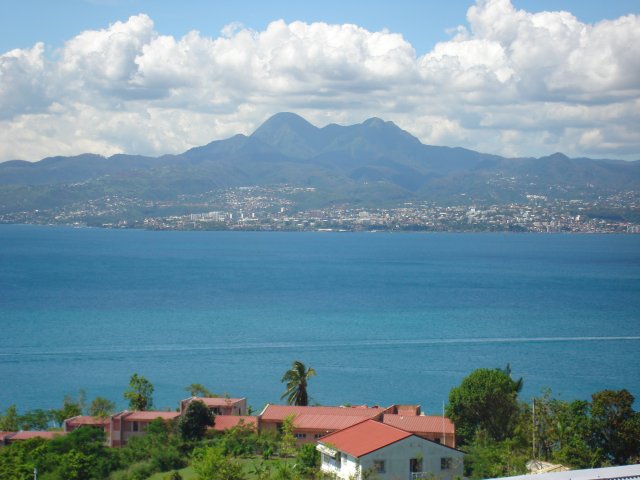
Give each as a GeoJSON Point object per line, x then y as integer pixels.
{"type": "Point", "coordinates": [139, 393]}
{"type": "Point", "coordinates": [195, 420]}
{"type": "Point", "coordinates": [288, 439]}
{"type": "Point", "coordinates": [199, 390]}
{"type": "Point", "coordinates": [37, 419]}
{"type": "Point", "coordinates": [485, 400]}
{"type": "Point", "coordinates": [296, 380]}
{"type": "Point", "coordinates": [615, 425]}
{"type": "Point", "coordinates": [101, 407]}
{"type": "Point", "coordinates": [9, 419]}
{"type": "Point", "coordinates": [210, 464]}
{"type": "Point", "coordinates": [70, 408]}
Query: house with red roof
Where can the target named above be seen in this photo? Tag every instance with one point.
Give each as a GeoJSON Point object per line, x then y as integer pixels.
{"type": "Point", "coordinates": [435, 428]}
{"type": "Point", "coordinates": [225, 422]}
{"type": "Point", "coordinates": [9, 437]}
{"type": "Point", "coordinates": [73, 423]}
{"type": "Point", "coordinates": [219, 405]}
{"type": "Point", "coordinates": [388, 452]}
{"type": "Point", "coordinates": [126, 425]}
{"type": "Point", "coordinates": [312, 423]}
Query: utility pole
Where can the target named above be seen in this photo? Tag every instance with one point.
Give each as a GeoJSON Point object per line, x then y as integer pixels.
{"type": "Point", "coordinates": [534, 429]}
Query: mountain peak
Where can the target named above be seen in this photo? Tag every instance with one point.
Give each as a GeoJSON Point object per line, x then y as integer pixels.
{"type": "Point", "coordinates": [289, 133]}
{"type": "Point", "coordinates": [374, 122]}
{"type": "Point", "coordinates": [282, 119]}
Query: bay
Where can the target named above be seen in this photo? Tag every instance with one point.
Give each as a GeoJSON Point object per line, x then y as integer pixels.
{"type": "Point", "coordinates": [383, 318]}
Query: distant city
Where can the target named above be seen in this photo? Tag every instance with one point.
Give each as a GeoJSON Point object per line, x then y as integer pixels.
{"type": "Point", "coordinates": [276, 208]}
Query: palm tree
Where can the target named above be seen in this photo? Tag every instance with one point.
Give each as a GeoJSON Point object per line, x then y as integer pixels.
{"type": "Point", "coordinates": [296, 378]}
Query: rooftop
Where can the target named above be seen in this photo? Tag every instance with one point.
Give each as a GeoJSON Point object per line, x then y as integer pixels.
{"type": "Point", "coordinates": [280, 412]}
{"type": "Point", "coordinates": [216, 401]}
{"type": "Point", "coordinates": [34, 434]}
{"type": "Point", "coordinates": [147, 415]}
{"type": "Point", "coordinates": [607, 473]}
{"type": "Point", "coordinates": [87, 420]}
{"type": "Point", "coordinates": [420, 423]}
{"type": "Point", "coordinates": [365, 437]}
{"type": "Point", "coordinates": [224, 422]}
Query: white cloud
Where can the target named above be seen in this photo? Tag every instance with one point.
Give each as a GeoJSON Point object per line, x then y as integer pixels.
{"type": "Point", "coordinates": [513, 82]}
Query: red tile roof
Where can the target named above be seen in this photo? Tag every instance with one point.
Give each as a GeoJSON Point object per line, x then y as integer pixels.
{"type": "Point", "coordinates": [420, 424]}
{"type": "Point", "coordinates": [327, 423]}
{"type": "Point", "coordinates": [87, 420]}
{"type": "Point", "coordinates": [364, 438]}
{"type": "Point", "coordinates": [149, 416]}
{"type": "Point", "coordinates": [224, 422]}
{"type": "Point", "coordinates": [217, 401]}
{"type": "Point", "coordinates": [34, 434]}
{"type": "Point", "coordinates": [280, 412]}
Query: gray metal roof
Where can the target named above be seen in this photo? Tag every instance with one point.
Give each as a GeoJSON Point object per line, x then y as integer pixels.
{"type": "Point", "coordinates": [607, 473]}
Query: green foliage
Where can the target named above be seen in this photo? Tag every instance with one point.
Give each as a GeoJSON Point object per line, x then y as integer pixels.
{"type": "Point", "coordinates": [485, 400]}
{"type": "Point", "coordinates": [160, 449]}
{"type": "Point", "coordinates": [195, 421]}
{"type": "Point", "coordinates": [488, 458]}
{"type": "Point", "coordinates": [308, 458]}
{"type": "Point", "coordinates": [285, 471]}
{"type": "Point", "coordinates": [615, 426]}
{"type": "Point", "coordinates": [244, 441]}
{"type": "Point", "coordinates": [296, 379]}
{"type": "Point", "coordinates": [9, 419]}
{"type": "Point", "coordinates": [287, 439]}
{"type": "Point", "coordinates": [199, 390]}
{"type": "Point", "coordinates": [175, 475]}
{"type": "Point", "coordinates": [211, 464]}
{"type": "Point", "coordinates": [102, 407]}
{"type": "Point", "coordinates": [37, 419]}
{"type": "Point", "coordinates": [70, 408]}
{"type": "Point", "coordinates": [140, 393]}
{"type": "Point", "coordinates": [78, 455]}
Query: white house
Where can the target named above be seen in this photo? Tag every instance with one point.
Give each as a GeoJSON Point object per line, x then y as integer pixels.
{"type": "Point", "coordinates": [388, 453]}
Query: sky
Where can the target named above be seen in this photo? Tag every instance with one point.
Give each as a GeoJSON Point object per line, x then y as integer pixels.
{"type": "Point", "coordinates": [515, 78]}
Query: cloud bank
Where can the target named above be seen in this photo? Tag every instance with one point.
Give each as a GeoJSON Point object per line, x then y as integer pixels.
{"type": "Point", "coordinates": [513, 83]}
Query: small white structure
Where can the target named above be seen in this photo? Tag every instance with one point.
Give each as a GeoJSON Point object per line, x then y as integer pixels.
{"type": "Point", "coordinates": [387, 452]}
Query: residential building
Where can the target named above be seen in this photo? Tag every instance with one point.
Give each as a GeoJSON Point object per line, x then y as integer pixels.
{"type": "Point", "coordinates": [435, 428]}
{"type": "Point", "coordinates": [387, 452]}
{"type": "Point", "coordinates": [126, 425]}
{"type": "Point", "coordinates": [225, 422]}
{"type": "Point", "coordinates": [219, 405]}
{"type": "Point", "coordinates": [312, 423]}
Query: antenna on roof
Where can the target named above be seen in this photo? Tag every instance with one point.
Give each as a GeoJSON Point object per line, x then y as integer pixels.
{"type": "Point", "coordinates": [444, 433]}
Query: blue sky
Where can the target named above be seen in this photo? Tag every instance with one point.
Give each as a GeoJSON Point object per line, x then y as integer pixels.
{"type": "Point", "coordinates": [517, 78]}
{"type": "Point", "coordinates": [421, 22]}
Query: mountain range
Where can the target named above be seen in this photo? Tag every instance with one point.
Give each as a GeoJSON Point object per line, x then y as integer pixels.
{"type": "Point", "coordinates": [372, 163]}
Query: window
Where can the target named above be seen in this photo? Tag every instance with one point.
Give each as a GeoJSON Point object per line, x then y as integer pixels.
{"type": "Point", "coordinates": [445, 463]}
{"type": "Point", "coordinates": [135, 427]}
{"type": "Point", "coordinates": [300, 435]}
{"type": "Point", "coordinates": [415, 465]}
{"type": "Point", "coordinates": [378, 466]}
{"type": "Point", "coordinates": [318, 435]}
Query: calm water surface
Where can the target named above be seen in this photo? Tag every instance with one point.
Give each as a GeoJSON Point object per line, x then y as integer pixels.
{"type": "Point", "coordinates": [383, 318]}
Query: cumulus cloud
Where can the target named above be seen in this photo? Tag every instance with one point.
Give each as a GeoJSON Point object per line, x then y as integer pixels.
{"type": "Point", "coordinates": [510, 82]}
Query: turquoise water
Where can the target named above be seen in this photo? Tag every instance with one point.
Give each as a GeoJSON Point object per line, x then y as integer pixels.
{"type": "Point", "coordinates": [383, 318]}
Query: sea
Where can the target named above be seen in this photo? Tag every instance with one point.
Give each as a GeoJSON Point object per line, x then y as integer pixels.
{"type": "Point", "coordinates": [383, 318]}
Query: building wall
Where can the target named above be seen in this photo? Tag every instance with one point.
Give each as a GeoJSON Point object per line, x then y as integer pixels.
{"type": "Point", "coordinates": [396, 458]}
{"type": "Point", "coordinates": [303, 435]}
